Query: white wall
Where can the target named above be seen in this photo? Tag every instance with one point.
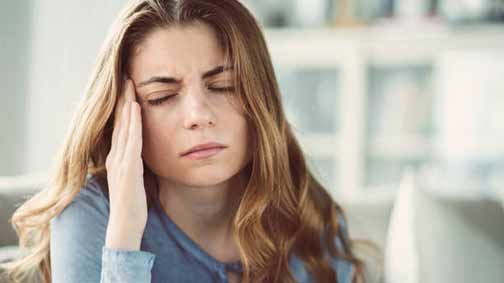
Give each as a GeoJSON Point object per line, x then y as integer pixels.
{"type": "Point", "coordinates": [67, 36]}
{"type": "Point", "coordinates": [15, 38]}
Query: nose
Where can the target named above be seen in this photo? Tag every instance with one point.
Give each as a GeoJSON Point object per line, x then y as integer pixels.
{"type": "Point", "coordinates": [198, 111]}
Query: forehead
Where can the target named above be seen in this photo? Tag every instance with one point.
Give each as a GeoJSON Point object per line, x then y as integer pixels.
{"type": "Point", "coordinates": [176, 49]}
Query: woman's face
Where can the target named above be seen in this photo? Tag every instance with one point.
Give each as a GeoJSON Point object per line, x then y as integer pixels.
{"type": "Point", "coordinates": [187, 99]}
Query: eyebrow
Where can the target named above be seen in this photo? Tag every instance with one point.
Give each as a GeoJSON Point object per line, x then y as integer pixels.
{"type": "Point", "coordinates": [172, 80]}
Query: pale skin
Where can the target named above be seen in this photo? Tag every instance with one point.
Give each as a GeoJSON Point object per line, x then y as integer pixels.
{"type": "Point", "coordinates": [201, 196]}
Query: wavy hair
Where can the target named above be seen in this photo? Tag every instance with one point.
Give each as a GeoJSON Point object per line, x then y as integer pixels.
{"type": "Point", "coordinates": [283, 210]}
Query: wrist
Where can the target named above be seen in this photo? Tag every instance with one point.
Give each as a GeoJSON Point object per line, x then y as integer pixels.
{"type": "Point", "coordinates": [120, 237]}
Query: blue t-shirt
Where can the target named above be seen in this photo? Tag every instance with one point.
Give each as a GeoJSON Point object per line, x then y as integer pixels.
{"type": "Point", "coordinates": [167, 253]}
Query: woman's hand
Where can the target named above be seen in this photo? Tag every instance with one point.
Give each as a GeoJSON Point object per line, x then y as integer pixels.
{"type": "Point", "coordinates": [128, 202]}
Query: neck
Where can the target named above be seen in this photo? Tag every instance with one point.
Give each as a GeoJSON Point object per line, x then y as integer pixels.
{"type": "Point", "coordinates": [205, 213]}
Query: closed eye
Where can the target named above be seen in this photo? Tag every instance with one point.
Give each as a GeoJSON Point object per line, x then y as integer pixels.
{"type": "Point", "coordinates": [161, 99]}
{"type": "Point", "coordinates": [222, 89]}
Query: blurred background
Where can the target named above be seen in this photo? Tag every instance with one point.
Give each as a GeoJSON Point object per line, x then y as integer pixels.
{"type": "Point", "coordinates": [399, 105]}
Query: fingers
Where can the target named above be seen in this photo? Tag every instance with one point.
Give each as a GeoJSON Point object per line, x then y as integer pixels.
{"type": "Point", "coordinates": [127, 94]}
{"type": "Point", "coordinates": [122, 137]}
{"type": "Point", "coordinates": [130, 91]}
{"type": "Point", "coordinates": [127, 124]}
{"type": "Point", "coordinates": [119, 109]}
{"type": "Point", "coordinates": [134, 142]}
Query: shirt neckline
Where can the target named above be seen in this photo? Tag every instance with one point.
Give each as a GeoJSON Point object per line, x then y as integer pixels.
{"type": "Point", "coordinates": [191, 245]}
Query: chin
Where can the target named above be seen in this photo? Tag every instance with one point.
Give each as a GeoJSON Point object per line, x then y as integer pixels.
{"type": "Point", "coordinates": [204, 181]}
{"type": "Point", "coordinates": [204, 177]}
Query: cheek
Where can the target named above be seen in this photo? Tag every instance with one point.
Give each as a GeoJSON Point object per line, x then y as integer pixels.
{"type": "Point", "coordinates": [156, 136]}
{"type": "Point", "coordinates": [231, 105]}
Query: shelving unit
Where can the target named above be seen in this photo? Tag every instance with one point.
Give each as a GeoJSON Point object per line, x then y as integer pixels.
{"type": "Point", "coordinates": [352, 52]}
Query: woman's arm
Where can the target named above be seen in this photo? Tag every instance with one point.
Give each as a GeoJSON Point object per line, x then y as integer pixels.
{"type": "Point", "coordinates": [78, 251]}
{"type": "Point", "coordinates": [125, 176]}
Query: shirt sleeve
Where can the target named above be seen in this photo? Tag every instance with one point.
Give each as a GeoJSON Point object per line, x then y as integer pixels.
{"type": "Point", "coordinates": [77, 246]}
{"type": "Point", "coordinates": [126, 266]}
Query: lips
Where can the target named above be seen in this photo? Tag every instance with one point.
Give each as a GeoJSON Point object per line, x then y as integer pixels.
{"type": "Point", "coordinates": [205, 146]}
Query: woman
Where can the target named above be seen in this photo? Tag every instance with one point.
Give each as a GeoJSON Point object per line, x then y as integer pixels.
{"type": "Point", "coordinates": [180, 165]}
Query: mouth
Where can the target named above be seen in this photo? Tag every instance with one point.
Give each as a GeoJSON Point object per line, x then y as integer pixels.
{"type": "Point", "coordinates": [203, 153]}
{"type": "Point", "coordinates": [203, 150]}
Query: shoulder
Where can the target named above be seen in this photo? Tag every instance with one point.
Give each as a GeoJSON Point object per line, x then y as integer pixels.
{"type": "Point", "coordinates": [77, 235]}
{"type": "Point", "coordinates": [95, 190]}
{"type": "Point", "coordinates": [93, 194]}
{"type": "Point", "coordinates": [89, 206]}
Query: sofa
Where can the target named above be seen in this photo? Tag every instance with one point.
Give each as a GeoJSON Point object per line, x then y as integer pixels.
{"type": "Point", "coordinates": [439, 234]}
{"type": "Point", "coordinates": [13, 192]}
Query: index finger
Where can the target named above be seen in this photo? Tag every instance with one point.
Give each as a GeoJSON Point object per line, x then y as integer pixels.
{"type": "Point", "coordinates": [120, 104]}
{"type": "Point", "coordinates": [129, 91]}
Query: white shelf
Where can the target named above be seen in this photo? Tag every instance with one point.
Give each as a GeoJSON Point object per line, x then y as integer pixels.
{"type": "Point", "coordinates": [371, 195]}
{"type": "Point", "coordinates": [352, 51]}
{"type": "Point", "coordinates": [320, 145]}
{"type": "Point", "coordinates": [382, 45]}
{"type": "Point", "coordinates": [399, 147]}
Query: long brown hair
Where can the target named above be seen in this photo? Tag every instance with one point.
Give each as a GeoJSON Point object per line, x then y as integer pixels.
{"type": "Point", "coordinates": [284, 209]}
